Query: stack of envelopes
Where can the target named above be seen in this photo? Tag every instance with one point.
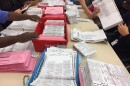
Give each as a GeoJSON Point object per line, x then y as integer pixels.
{"type": "Point", "coordinates": [20, 61]}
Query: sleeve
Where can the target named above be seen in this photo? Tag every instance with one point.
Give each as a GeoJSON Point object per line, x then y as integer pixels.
{"type": "Point", "coordinates": [3, 16]}
{"type": "Point", "coordinates": [126, 17]}
{"type": "Point", "coordinates": [127, 4]}
{"type": "Point", "coordinates": [91, 8]}
{"type": "Point", "coordinates": [125, 40]}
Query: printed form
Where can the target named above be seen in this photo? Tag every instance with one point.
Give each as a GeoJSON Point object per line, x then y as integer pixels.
{"type": "Point", "coordinates": [109, 14]}
{"type": "Point", "coordinates": [59, 68]}
{"type": "Point", "coordinates": [96, 73]}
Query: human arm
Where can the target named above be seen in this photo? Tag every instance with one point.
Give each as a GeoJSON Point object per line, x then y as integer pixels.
{"type": "Point", "coordinates": [124, 31]}
{"type": "Point", "coordinates": [9, 40]}
{"type": "Point", "coordinates": [12, 16]}
{"type": "Point", "coordinates": [85, 8]}
{"type": "Point", "coordinates": [32, 3]}
{"type": "Point", "coordinates": [87, 11]}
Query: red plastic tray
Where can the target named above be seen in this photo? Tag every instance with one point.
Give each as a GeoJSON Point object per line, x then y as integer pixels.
{"type": "Point", "coordinates": [40, 45]}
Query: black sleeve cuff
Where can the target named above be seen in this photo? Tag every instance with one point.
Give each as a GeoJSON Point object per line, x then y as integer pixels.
{"type": "Point", "coordinates": [125, 39]}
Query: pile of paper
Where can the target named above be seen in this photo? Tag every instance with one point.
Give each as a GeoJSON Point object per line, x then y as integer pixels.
{"type": "Point", "coordinates": [53, 30]}
{"type": "Point", "coordinates": [55, 22]}
{"type": "Point", "coordinates": [56, 38]}
{"type": "Point", "coordinates": [18, 47]}
{"type": "Point", "coordinates": [25, 25]}
{"type": "Point", "coordinates": [54, 10]}
{"type": "Point", "coordinates": [88, 36]}
{"type": "Point", "coordinates": [20, 61]}
{"type": "Point", "coordinates": [74, 9]}
{"type": "Point", "coordinates": [71, 16]}
{"type": "Point", "coordinates": [59, 68]}
{"type": "Point", "coordinates": [85, 49]}
{"type": "Point", "coordinates": [52, 3]}
{"type": "Point", "coordinates": [10, 32]}
{"type": "Point", "coordinates": [34, 11]}
{"type": "Point", "coordinates": [55, 82]}
{"type": "Point", "coordinates": [21, 47]}
{"type": "Point", "coordinates": [72, 13]}
{"type": "Point", "coordinates": [95, 73]}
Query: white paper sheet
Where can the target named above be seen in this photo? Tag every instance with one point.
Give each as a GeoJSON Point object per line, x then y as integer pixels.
{"type": "Point", "coordinates": [109, 14]}
{"type": "Point", "coordinates": [88, 36]}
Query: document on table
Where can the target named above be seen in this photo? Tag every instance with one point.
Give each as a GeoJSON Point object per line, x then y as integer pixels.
{"type": "Point", "coordinates": [19, 61]}
{"type": "Point", "coordinates": [54, 10]}
{"type": "Point", "coordinates": [88, 36]}
{"type": "Point", "coordinates": [25, 25]}
{"type": "Point", "coordinates": [59, 68]}
{"type": "Point", "coordinates": [85, 49]}
{"type": "Point", "coordinates": [53, 82]}
{"type": "Point", "coordinates": [54, 2]}
{"type": "Point", "coordinates": [59, 64]}
{"type": "Point", "coordinates": [95, 73]}
{"type": "Point", "coordinates": [55, 22]}
{"type": "Point", "coordinates": [9, 32]}
{"type": "Point", "coordinates": [54, 30]}
{"type": "Point", "coordinates": [109, 14]}
{"type": "Point", "coordinates": [21, 47]}
{"type": "Point", "coordinates": [34, 11]}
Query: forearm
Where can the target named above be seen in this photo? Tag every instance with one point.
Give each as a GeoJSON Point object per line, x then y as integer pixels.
{"type": "Point", "coordinates": [12, 16]}
{"type": "Point", "coordinates": [9, 40]}
{"type": "Point", "coordinates": [87, 11]}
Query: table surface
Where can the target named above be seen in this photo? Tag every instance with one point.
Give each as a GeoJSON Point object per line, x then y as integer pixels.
{"type": "Point", "coordinates": [104, 53]}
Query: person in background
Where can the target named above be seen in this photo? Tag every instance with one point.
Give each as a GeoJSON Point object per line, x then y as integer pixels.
{"type": "Point", "coordinates": [15, 6]}
{"type": "Point", "coordinates": [122, 5]}
{"type": "Point", "coordinates": [11, 16]}
{"type": "Point", "coordinates": [19, 4]}
{"type": "Point", "coordinates": [124, 9]}
{"type": "Point", "coordinates": [90, 13]}
{"type": "Point", "coordinates": [122, 47]}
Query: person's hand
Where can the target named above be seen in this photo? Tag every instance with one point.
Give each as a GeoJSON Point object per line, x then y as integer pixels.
{"type": "Point", "coordinates": [96, 11]}
{"type": "Point", "coordinates": [35, 18]}
{"type": "Point", "coordinates": [27, 37]}
{"type": "Point", "coordinates": [18, 11]}
{"type": "Point", "coordinates": [123, 29]}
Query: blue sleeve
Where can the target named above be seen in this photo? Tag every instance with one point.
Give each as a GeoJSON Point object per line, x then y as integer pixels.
{"type": "Point", "coordinates": [3, 16]}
